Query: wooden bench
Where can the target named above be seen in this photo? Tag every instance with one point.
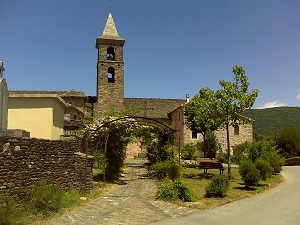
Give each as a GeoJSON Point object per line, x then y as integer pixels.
{"type": "Point", "coordinates": [207, 163]}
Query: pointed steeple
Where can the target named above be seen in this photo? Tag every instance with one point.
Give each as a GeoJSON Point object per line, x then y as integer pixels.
{"type": "Point", "coordinates": [110, 32]}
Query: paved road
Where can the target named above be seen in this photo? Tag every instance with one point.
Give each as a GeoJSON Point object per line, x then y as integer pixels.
{"type": "Point", "coordinates": [278, 206]}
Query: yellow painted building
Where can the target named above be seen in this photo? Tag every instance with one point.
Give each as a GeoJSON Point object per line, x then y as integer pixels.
{"type": "Point", "coordinates": [40, 114]}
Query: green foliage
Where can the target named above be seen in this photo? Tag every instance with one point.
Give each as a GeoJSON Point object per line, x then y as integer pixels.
{"type": "Point", "coordinates": [167, 168]}
{"type": "Point", "coordinates": [218, 187]}
{"type": "Point", "coordinates": [254, 149]}
{"type": "Point", "coordinates": [45, 198]}
{"type": "Point", "coordinates": [156, 142]}
{"type": "Point", "coordinates": [271, 120]}
{"type": "Point", "coordinates": [109, 144]}
{"type": "Point", "coordinates": [200, 112]}
{"type": "Point", "coordinates": [234, 98]}
{"type": "Point", "coordinates": [264, 167]}
{"type": "Point", "coordinates": [249, 173]}
{"type": "Point", "coordinates": [176, 190]}
{"type": "Point", "coordinates": [187, 151]}
{"type": "Point", "coordinates": [265, 150]}
{"type": "Point", "coordinates": [288, 141]}
{"type": "Point", "coordinates": [10, 213]}
{"type": "Point", "coordinates": [275, 159]}
{"type": "Point", "coordinates": [211, 145]}
{"type": "Point", "coordinates": [237, 157]}
{"type": "Point", "coordinates": [222, 158]}
{"type": "Point", "coordinates": [160, 170]}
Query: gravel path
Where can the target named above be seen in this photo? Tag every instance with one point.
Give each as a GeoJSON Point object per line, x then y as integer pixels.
{"type": "Point", "coordinates": [130, 202]}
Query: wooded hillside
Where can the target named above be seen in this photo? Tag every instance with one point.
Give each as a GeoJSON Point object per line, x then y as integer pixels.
{"type": "Point", "coordinates": [268, 121]}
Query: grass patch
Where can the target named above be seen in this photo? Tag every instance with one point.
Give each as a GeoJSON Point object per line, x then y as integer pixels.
{"type": "Point", "coordinates": [197, 181]}
{"type": "Point", "coordinates": [45, 203]}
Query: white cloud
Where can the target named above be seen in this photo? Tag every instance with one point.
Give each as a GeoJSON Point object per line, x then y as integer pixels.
{"type": "Point", "coordinates": [273, 104]}
{"type": "Point", "coordinates": [298, 97]}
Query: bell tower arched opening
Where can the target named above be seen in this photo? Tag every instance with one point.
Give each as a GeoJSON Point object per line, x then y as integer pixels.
{"type": "Point", "coordinates": [110, 55]}
{"type": "Point", "coordinates": [111, 75]}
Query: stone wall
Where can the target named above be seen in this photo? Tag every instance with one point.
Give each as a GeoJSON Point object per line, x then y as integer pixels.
{"type": "Point", "coordinates": [153, 107]}
{"type": "Point", "coordinates": [24, 161]}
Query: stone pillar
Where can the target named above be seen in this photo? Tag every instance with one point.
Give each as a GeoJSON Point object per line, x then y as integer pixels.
{"type": "Point", "coordinates": [3, 101]}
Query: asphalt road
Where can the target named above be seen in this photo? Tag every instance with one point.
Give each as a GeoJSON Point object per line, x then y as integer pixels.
{"type": "Point", "coordinates": [279, 206]}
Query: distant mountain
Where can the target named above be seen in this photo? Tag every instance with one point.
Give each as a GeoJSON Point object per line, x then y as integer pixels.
{"type": "Point", "coordinates": [269, 121]}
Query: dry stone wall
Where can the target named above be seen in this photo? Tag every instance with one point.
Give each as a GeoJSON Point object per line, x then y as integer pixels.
{"type": "Point", "coordinates": [24, 161]}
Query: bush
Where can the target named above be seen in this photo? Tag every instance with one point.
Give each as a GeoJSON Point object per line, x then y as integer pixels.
{"type": "Point", "coordinates": [165, 169]}
{"type": "Point", "coordinates": [250, 174]}
{"type": "Point", "coordinates": [10, 214]}
{"type": "Point", "coordinates": [264, 168]}
{"type": "Point", "coordinates": [275, 159]}
{"type": "Point", "coordinates": [176, 190]}
{"type": "Point", "coordinates": [188, 151]}
{"type": "Point", "coordinates": [45, 198]}
{"type": "Point", "coordinates": [160, 170]}
{"type": "Point", "coordinates": [218, 187]}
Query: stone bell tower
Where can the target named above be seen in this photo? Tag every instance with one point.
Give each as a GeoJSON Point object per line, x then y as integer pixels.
{"type": "Point", "coordinates": [110, 69]}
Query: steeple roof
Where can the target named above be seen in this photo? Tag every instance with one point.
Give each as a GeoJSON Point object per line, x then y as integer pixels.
{"type": "Point", "coordinates": [110, 30]}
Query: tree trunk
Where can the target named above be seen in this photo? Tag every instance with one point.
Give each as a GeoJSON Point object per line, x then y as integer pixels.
{"type": "Point", "coordinates": [204, 145]}
{"type": "Point", "coordinates": [228, 150]}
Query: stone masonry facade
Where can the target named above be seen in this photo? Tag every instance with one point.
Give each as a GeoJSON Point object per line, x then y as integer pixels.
{"type": "Point", "coordinates": [25, 161]}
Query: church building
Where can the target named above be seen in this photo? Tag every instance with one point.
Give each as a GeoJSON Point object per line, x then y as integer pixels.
{"type": "Point", "coordinates": [110, 96]}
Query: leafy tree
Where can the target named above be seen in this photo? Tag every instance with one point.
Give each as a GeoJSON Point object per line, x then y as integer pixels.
{"type": "Point", "coordinates": [288, 141]}
{"type": "Point", "coordinates": [188, 150]}
{"type": "Point", "coordinates": [201, 114]}
{"type": "Point", "coordinates": [156, 141]}
{"type": "Point", "coordinates": [234, 98]}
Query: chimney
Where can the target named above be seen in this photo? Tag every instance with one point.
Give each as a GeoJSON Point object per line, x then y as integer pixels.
{"type": "Point", "coordinates": [187, 97]}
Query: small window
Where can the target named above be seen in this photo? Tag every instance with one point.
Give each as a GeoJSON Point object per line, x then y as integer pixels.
{"type": "Point", "coordinates": [111, 75]}
{"type": "Point", "coordinates": [194, 135]}
{"type": "Point", "coordinates": [236, 130]}
{"type": "Point", "coordinates": [110, 55]}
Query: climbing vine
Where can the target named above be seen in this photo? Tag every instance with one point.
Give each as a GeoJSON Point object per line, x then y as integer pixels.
{"type": "Point", "coordinates": [108, 138]}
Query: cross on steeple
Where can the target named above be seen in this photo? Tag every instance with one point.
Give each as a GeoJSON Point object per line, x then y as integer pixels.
{"type": "Point", "coordinates": [109, 6]}
{"type": "Point", "coordinates": [146, 109]}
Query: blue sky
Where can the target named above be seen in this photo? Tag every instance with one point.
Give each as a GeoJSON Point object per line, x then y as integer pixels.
{"type": "Point", "coordinates": [173, 47]}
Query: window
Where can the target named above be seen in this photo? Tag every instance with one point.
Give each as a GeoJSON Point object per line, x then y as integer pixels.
{"type": "Point", "coordinates": [194, 135]}
{"type": "Point", "coordinates": [111, 75]}
{"type": "Point", "coordinates": [110, 55]}
{"type": "Point", "coordinates": [236, 130]}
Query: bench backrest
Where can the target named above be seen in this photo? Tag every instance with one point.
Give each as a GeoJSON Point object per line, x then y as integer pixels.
{"type": "Point", "coordinates": [199, 160]}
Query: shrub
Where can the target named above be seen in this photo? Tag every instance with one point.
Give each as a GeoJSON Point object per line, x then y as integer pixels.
{"type": "Point", "coordinates": [250, 174]}
{"type": "Point", "coordinates": [160, 170]}
{"type": "Point", "coordinates": [188, 151]}
{"type": "Point", "coordinates": [176, 190]}
{"type": "Point", "coordinates": [252, 178]}
{"type": "Point", "coordinates": [9, 212]}
{"type": "Point", "coordinates": [264, 168]}
{"type": "Point", "coordinates": [275, 159]}
{"type": "Point", "coordinates": [165, 169]}
{"type": "Point", "coordinates": [218, 187]}
{"type": "Point", "coordinates": [45, 198]}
